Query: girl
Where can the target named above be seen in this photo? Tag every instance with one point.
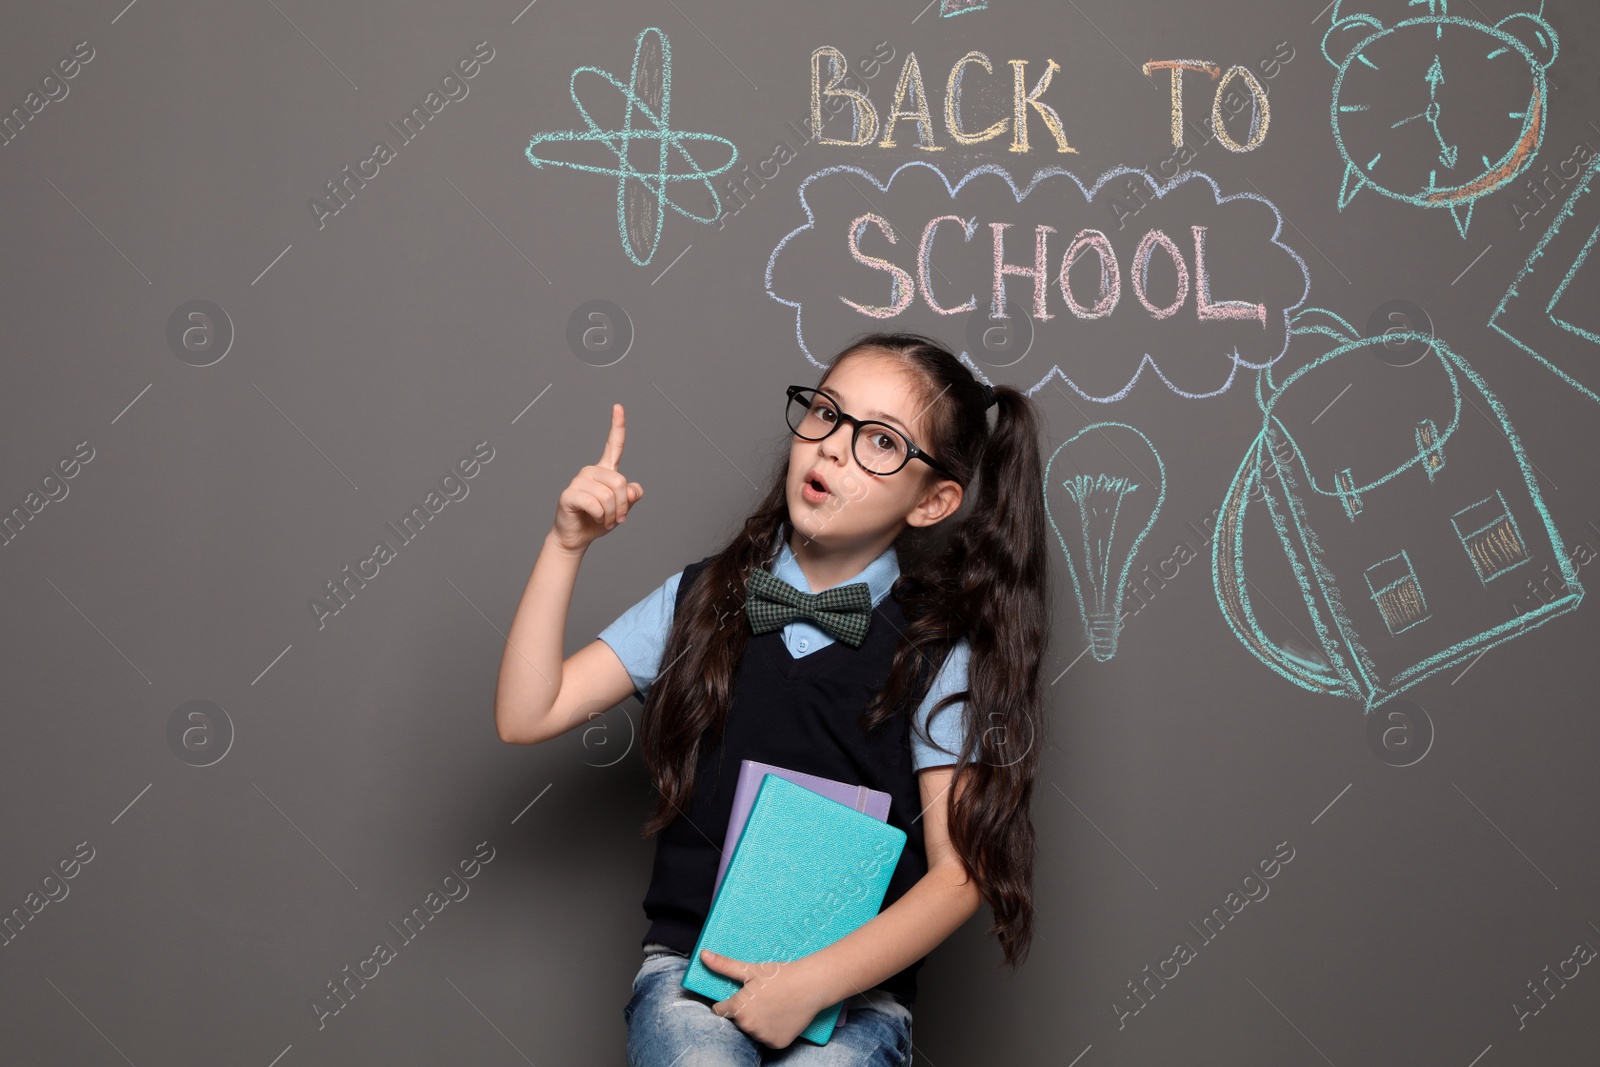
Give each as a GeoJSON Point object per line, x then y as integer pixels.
{"type": "Point", "coordinates": [730, 668]}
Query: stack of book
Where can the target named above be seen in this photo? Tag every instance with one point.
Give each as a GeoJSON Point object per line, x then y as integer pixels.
{"type": "Point", "coordinates": [806, 860]}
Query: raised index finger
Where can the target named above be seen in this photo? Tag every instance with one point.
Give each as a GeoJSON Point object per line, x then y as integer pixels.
{"type": "Point", "coordinates": [613, 450]}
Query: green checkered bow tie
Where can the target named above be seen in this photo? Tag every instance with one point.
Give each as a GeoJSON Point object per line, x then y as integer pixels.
{"type": "Point", "coordinates": [844, 612]}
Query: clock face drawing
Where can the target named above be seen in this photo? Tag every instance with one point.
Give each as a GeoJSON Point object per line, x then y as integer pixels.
{"type": "Point", "coordinates": [1438, 111]}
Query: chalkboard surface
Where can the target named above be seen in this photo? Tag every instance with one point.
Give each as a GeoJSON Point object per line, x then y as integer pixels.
{"type": "Point", "coordinates": [313, 310]}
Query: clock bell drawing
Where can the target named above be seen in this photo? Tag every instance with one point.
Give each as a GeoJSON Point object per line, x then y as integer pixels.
{"type": "Point", "coordinates": [1438, 110]}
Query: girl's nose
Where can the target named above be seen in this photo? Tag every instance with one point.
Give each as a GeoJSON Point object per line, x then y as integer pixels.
{"type": "Point", "coordinates": [835, 446]}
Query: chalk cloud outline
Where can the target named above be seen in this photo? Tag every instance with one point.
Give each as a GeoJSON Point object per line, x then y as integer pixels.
{"type": "Point", "coordinates": [1157, 188]}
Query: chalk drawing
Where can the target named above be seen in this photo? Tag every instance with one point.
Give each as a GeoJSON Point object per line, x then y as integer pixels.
{"type": "Point", "coordinates": [1417, 615]}
{"type": "Point", "coordinates": [1437, 111]}
{"type": "Point", "coordinates": [1177, 67]}
{"type": "Point", "coordinates": [641, 195]}
{"type": "Point", "coordinates": [1544, 294]}
{"type": "Point", "coordinates": [952, 101]}
{"type": "Point", "coordinates": [1488, 531]}
{"type": "Point", "coordinates": [1260, 115]}
{"type": "Point", "coordinates": [1092, 507]}
{"type": "Point", "coordinates": [1394, 587]}
{"type": "Point", "coordinates": [1268, 324]}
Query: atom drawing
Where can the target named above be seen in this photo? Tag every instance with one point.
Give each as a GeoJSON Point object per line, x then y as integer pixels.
{"type": "Point", "coordinates": [641, 195]}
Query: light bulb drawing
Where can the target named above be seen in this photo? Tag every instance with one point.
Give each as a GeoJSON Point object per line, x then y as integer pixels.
{"type": "Point", "coordinates": [1106, 516]}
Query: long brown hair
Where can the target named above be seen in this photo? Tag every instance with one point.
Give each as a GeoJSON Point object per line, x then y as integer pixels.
{"type": "Point", "coordinates": [983, 578]}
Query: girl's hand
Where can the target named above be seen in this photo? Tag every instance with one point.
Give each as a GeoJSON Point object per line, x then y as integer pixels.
{"type": "Point", "coordinates": [598, 498]}
{"type": "Point", "coordinates": [777, 1002]}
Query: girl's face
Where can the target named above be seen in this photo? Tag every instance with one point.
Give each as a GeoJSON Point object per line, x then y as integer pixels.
{"type": "Point", "coordinates": [860, 509]}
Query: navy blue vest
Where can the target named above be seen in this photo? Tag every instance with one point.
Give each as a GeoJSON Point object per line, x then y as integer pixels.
{"type": "Point", "coordinates": [801, 714]}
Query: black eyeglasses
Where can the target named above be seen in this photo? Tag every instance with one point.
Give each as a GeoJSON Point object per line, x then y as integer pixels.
{"type": "Point", "coordinates": [813, 415]}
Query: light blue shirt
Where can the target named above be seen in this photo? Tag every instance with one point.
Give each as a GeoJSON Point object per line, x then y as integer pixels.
{"type": "Point", "coordinates": [639, 636]}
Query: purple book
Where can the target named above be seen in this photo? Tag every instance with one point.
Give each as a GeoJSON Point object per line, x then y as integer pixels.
{"type": "Point", "coordinates": [873, 802]}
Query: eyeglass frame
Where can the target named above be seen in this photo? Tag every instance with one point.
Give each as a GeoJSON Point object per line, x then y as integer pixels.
{"type": "Point", "coordinates": [912, 451]}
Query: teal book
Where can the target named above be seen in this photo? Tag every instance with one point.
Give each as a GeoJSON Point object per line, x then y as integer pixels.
{"type": "Point", "coordinates": [807, 870]}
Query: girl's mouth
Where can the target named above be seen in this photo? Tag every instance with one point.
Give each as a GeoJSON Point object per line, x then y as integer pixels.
{"type": "Point", "coordinates": [813, 491]}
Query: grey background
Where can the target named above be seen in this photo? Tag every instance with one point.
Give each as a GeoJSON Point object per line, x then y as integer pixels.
{"type": "Point", "coordinates": [360, 758]}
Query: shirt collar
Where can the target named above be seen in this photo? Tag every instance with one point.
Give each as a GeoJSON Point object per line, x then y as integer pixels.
{"type": "Point", "coordinates": [879, 575]}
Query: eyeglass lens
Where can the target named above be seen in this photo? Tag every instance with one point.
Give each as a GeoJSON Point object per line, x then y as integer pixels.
{"type": "Point", "coordinates": [879, 449]}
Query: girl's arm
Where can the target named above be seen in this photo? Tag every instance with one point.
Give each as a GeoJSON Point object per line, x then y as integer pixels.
{"type": "Point", "coordinates": [539, 696]}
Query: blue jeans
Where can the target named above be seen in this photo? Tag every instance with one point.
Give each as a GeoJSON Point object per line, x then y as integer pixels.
{"type": "Point", "coordinates": [670, 1026]}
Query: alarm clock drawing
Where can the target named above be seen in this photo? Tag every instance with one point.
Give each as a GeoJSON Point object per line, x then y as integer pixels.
{"type": "Point", "coordinates": [1438, 111]}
